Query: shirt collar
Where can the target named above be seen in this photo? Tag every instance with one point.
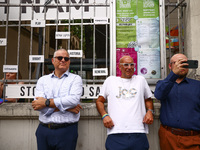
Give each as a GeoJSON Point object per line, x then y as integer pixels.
{"type": "Point", "coordinates": [185, 80]}
{"type": "Point", "coordinates": [66, 74]}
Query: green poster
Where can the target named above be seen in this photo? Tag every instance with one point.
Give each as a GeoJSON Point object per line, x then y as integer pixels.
{"type": "Point", "coordinates": [148, 8]}
{"type": "Point", "coordinates": [137, 28]}
{"type": "Point", "coordinates": [126, 24]}
{"type": "Point", "coordinates": [127, 14]}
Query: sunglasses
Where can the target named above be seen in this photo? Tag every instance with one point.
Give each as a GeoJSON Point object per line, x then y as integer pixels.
{"type": "Point", "coordinates": [126, 65]}
{"type": "Point", "coordinates": [60, 58]}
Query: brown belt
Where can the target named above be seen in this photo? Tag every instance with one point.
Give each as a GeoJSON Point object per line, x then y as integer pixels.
{"type": "Point", "coordinates": [181, 132]}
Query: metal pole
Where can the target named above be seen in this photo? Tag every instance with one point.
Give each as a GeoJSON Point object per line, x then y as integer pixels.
{"type": "Point", "coordinates": [31, 42]}
{"type": "Point", "coordinates": [6, 47]}
{"type": "Point", "coordinates": [44, 39]}
{"type": "Point", "coordinates": [162, 39]}
{"type": "Point", "coordinates": [81, 61]}
{"type": "Point", "coordinates": [18, 44]}
{"type": "Point", "coordinates": [168, 20]}
{"type": "Point", "coordinates": [94, 28]}
{"type": "Point", "coordinates": [106, 38]}
{"type": "Point", "coordinates": [69, 24]}
{"type": "Point", "coordinates": [113, 38]}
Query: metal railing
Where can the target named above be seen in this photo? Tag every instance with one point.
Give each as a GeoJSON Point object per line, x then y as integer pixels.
{"type": "Point", "coordinates": [24, 40]}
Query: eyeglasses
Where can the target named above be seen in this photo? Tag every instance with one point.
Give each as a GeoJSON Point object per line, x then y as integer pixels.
{"type": "Point", "coordinates": [60, 58]}
{"type": "Point", "coordinates": [126, 65]}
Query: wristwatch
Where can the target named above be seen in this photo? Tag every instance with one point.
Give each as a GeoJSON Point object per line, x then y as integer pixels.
{"type": "Point", "coordinates": [151, 111]}
{"type": "Point", "coordinates": [47, 102]}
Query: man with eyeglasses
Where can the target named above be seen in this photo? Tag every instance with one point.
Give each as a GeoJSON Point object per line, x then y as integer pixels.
{"type": "Point", "coordinates": [180, 108]}
{"type": "Point", "coordinates": [57, 97]}
{"type": "Point", "coordinates": [130, 109]}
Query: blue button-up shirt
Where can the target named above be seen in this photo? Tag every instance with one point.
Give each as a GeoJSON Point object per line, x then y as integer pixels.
{"type": "Point", "coordinates": [180, 103]}
{"type": "Point", "coordinates": [66, 92]}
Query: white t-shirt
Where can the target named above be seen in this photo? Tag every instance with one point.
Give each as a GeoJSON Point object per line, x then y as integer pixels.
{"type": "Point", "coordinates": [126, 103]}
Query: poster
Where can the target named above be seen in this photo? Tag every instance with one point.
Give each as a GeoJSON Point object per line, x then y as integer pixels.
{"type": "Point", "coordinates": [126, 51]}
{"type": "Point", "coordinates": [149, 63]}
{"type": "Point", "coordinates": [126, 24]}
{"type": "Point", "coordinates": [138, 35]}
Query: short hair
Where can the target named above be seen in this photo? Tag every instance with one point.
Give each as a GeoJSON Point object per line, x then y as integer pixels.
{"type": "Point", "coordinates": [60, 50]}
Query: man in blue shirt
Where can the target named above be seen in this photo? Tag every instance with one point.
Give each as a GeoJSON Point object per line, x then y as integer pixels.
{"type": "Point", "coordinates": [57, 97]}
{"type": "Point", "coordinates": [180, 108]}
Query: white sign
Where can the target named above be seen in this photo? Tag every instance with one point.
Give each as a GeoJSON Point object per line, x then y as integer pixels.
{"type": "Point", "coordinates": [28, 91]}
{"type": "Point", "coordinates": [100, 71]}
{"type": "Point", "coordinates": [37, 23]}
{"type": "Point", "coordinates": [3, 41]}
{"type": "Point", "coordinates": [62, 35]}
{"type": "Point", "coordinates": [10, 68]}
{"type": "Point", "coordinates": [36, 58]}
{"type": "Point", "coordinates": [20, 90]}
{"type": "Point", "coordinates": [33, 9]}
{"type": "Point", "coordinates": [75, 53]}
{"type": "Point", "coordinates": [100, 20]}
{"type": "Point", "coordinates": [91, 91]}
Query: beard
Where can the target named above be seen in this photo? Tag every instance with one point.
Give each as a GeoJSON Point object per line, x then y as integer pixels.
{"type": "Point", "coordinates": [181, 76]}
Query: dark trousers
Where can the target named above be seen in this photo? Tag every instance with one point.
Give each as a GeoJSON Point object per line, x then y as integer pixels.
{"type": "Point", "coordinates": [127, 141]}
{"type": "Point", "coordinates": [169, 141]}
{"type": "Point", "coordinates": [64, 138]}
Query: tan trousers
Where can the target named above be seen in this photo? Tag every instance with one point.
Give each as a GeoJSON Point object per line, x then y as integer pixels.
{"type": "Point", "coordinates": [169, 141]}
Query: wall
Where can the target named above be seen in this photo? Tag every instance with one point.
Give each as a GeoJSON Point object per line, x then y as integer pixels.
{"type": "Point", "coordinates": [192, 34]}
{"type": "Point", "coordinates": [18, 122]}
